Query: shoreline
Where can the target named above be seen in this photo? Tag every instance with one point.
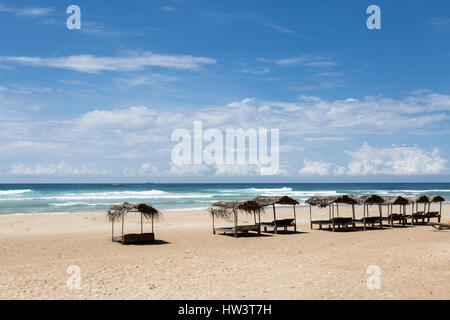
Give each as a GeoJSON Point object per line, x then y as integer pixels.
{"type": "Point", "coordinates": [279, 207]}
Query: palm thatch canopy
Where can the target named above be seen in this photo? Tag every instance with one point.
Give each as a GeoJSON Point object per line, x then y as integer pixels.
{"type": "Point", "coordinates": [367, 199]}
{"type": "Point", "coordinates": [325, 201]}
{"type": "Point", "coordinates": [395, 200]}
{"type": "Point", "coordinates": [226, 209]}
{"type": "Point", "coordinates": [418, 198]}
{"type": "Point", "coordinates": [268, 201]}
{"type": "Point", "coordinates": [118, 211]}
{"type": "Point", "coordinates": [436, 199]}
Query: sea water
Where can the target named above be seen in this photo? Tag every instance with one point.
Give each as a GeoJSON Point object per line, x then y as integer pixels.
{"type": "Point", "coordinates": [58, 198]}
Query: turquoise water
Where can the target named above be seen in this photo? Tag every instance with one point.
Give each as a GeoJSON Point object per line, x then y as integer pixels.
{"type": "Point", "coordinates": [47, 198]}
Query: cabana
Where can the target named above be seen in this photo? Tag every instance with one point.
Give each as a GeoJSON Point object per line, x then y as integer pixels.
{"type": "Point", "coordinates": [120, 211]}
{"type": "Point", "coordinates": [417, 215]}
{"type": "Point", "coordinates": [230, 209]}
{"type": "Point", "coordinates": [332, 202]}
{"type": "Point", "coordinates": [367, 200]}
{"type": "Point", "coordinates": [390, 202]}
{"type": "Point", "coordinates": [272, 201]}
{"type": "Point", "coordinates": [435, 214]}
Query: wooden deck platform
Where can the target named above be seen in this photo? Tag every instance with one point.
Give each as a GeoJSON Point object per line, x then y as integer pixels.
{"type": "Point", "coordinates": [241, 229]}
{"type": "Point", "coordinates": [133, 238]}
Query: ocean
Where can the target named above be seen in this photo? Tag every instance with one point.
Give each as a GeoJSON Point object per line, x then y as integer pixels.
{"type": "Point", "coordinates": [67, 198]}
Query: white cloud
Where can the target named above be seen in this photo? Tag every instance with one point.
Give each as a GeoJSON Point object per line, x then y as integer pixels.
{"type": "Point", "coordinates": [303, 60]}
{"type": "Point", "coordinates": [236, 170]}
{"type": "Point", "coordinates": [94, 64]}
{"type": "Point", "coordinates": [151, 79]}
{"type": "Point", "coordinates": [123, 134]}
{"type": "Point", "coordinates": [313, 168]}
{"type": "Point", "coordinates": [27, 145]}
{"type": "Point", "coordinates": [146, 169]}
{"type": "Point", "coordinates": [441, 22]}
{"type": "Point", "coordinates": [187, 170]}
{"type": "Point", "coordinates": [395, 161]}
{"type": "Point", "coordinates": [133, 117]}
{"type": "Point", "coordinates": [32, 12]}
{"type": "Point", "coordinates": [57, 169]}
{"type": "Point", "coordinates": [252, 18]}
{"type": "Point", "coordinates": [240, 104]}
{"type": "Point", "coordinates": [168, 9]}
{"type": "Point", "coordinates": [382, 161]}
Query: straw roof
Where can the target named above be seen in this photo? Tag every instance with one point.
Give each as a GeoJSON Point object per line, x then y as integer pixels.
{"type": "Point", "coordinates": [325, 201]}
{"type": "Point", "coordinates": [226, 209]}
{"type": "Point", "coordinates": [395, 200]}
{"type": "Point", "coordinates": [117, 211]}
{"type": "Point", "coordinates": [417, 198]}
{"type": "Point", "coordinates": [268, 201]}
{"type": "Point", "coordinates": [436, 199]}
{"type": "Point", "coordinates": [367, 199]}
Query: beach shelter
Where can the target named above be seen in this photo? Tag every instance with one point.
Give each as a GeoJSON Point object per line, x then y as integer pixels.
{"type": "Point", "coordinates": [366, 201]}
{"type": "Point", "coordinates": [118, 212]}
{"type": "Point", "coordinates": [393, 200]}
{"type": "Point", "coordinates": [435, 214]}
{"type": "Point", "coordinates": [332, 203]}
{"type": "Point", "coordinates": [276, 223]}
{"type": "Point", "coordinates": [230, 210]}
{"type": "Point", "coordinates": [415, 200]}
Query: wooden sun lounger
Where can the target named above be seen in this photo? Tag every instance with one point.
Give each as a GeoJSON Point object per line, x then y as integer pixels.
{"type": "Point", "coordinates": [339, 223]}
{"type": "Point", "coordinates": [440, 226]}
{"type": "Point", "coordinates": [244, 229]}
{"type": "Point", "coordinates": [135, 238]}
{"type": "Point", "coordinates": [415, 217]}
{"type": "Point", "coordinates": [401, 218]}
{"type": "Point", "coordinates": [371, 221]}
{"type": "Point", "coordinates": [282, 223]}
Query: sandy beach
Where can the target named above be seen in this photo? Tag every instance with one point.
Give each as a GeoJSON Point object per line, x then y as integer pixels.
{"type": "Point", "coordinates": [189, 262]}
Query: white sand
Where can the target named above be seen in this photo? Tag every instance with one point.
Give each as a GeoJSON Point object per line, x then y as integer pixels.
{"type": "Point", "coordinates": [36, 251]}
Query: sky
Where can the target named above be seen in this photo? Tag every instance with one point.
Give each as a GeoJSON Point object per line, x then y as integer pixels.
{"type": "Point", "coordinates": [100, 104]}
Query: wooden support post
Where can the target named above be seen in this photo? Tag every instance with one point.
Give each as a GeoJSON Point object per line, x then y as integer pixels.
{"type": "Point", "coordinates": [354, 216]}
{"type": "Point", "coordinates": [259, 223]}
{"type": "Point", "coordinates": [380, 209]}
{"type": "Point", "coordinates": [112, 231]}
{"type": "Point", "coordinates": [310, 216]}
{"type": "Point", "coordinates": [333, 219]}
{"type": "Point", "coordinates": [275, 219]}
{"type": "Point", "coordinates": [142, 226]}
{"type": "Point", "coordinates": [123, 216]}
{"type": "Point", "coordinates": [295, 220]}
{"type": "Point", "coordinates": [337, 209]}
{"type": "Point", "coordinates": [440, 212]}
{"type": "Point", "coordinates": [152, 224]}
{"type": "Point", "coordinates": [364, 205]}
{"type": "Point", "coordinates": [235, 223]}
{"type": "Point", "coordinates": [214, 228]}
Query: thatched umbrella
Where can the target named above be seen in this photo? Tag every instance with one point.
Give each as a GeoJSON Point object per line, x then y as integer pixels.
{"type": "Point", "coordinates": [330, 202]}
{"type": "Point", "coordinates": [415, 200]}
{"type": "Point", "coordinates": [366, 200]}
{"type": "Point", "coordinates": [119, 211]}
{"type": "Point", "coordinates": [230, 209]}
{"type": "Point", "coordinates": [392, 200]}
{"type": "Point", "coordinates": [434, 199]}
{"type": "Point", "coordinates": [272, 201]}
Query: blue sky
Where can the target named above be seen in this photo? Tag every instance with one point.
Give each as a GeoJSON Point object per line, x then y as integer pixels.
{"type": "Point", "coordinates": [100, 103]}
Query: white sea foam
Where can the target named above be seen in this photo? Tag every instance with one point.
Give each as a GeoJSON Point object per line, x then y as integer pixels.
{"type": "Point", "coordinates": [150, 194]}
{"type": "Point", "coordinates": [10, 192]}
